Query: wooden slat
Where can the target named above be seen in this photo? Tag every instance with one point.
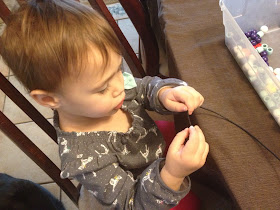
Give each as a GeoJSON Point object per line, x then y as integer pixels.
{"type": "Point", "coordinates": [32, 151]}
{"type": "Point", "coordinates": [140, 19]}
{"type": "Point", "coordinates": [27, 107]}
{"type": "Point", "coordinates": [4, 11]}
{"type": "Point", "coordinates": [128, 53]}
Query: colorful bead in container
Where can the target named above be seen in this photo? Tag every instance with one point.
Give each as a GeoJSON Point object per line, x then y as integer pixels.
{"type": "Point", "coordinates": [264, 51]}
{"type": "Point", "coordinates": [270, 94]}
{"type": "Point", "coordinates": [255, 38]}
{"type": "Point", "coordinates": [262, 77]}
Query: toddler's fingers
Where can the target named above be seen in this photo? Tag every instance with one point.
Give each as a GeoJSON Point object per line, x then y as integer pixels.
{"type": "Point", "coordinates": [196, 95]}
{"type": "Point", "coordinates": [206, 151]}
{"type": "Point", "coordinates": [185, 97]}
{"type": "Point", "coordinates": [179, 140]}
{"type": "Point", "coordinates": [201, 100]}
{"type": "Point", "coordinates": [193, 142]}
{"type": "Point", "coordinates": [201, 139]}
{"type": "Point", "coordinates": [201, 148]}
{"type": "Point", "coordinates": [201, 136]}
{"type": "Point", "coordinates": [177, 106]}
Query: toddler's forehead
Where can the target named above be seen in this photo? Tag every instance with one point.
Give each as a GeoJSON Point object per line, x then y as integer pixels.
{"type": "Point", "coordinates": [94, 66]}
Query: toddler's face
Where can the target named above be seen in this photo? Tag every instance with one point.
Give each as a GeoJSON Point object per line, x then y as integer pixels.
{"type": "Point", "coordinates": [95, 93]}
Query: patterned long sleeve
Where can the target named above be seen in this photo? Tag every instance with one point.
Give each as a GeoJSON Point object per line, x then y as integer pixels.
{"type": "Point", "coordinates": [112, 186]}
{"type": "Point", "coordinates": [147, 90]}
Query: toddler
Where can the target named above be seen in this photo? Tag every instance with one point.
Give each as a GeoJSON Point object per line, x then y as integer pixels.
{"type": "Point", "coordinates": [69, 59]}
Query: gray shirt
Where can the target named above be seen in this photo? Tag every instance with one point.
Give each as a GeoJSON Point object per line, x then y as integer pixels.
{"type": "Point", "coordinates": [106, 162]}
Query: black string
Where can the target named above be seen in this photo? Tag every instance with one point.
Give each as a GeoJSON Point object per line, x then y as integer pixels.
{"type": "Point", "coordinates": [188, 116]}
{"type": "Point", "coordinates": [253, 137]}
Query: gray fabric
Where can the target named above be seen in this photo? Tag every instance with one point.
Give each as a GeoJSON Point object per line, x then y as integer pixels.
{"type": "Point", "coordinates": [237, 166]}
{"type": "Point", "coordinates": [103, 161]}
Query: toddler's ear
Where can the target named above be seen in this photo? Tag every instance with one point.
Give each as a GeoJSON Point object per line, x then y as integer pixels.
{"type": "Point", "coordinates": [45, 98]}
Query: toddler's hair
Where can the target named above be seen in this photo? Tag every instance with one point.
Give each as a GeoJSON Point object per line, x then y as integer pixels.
{"type": "Point", "coordinates": [46, 41]}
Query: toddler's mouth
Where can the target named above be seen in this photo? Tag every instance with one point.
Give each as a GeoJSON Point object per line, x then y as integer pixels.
{"type": "Point", "coordinates": [119, 105]}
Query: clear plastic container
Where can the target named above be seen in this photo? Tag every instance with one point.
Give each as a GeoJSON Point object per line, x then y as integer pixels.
{"type": "Point", "coordinates": [240, 16]}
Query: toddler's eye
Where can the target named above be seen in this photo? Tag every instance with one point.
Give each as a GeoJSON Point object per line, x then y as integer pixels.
{"type": "Point", "coordinates": [103, 91]}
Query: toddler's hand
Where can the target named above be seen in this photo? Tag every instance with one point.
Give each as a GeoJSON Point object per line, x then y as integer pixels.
{"type": "Point", "coordinates": [180, 99]}
{"type": "Point", "coordinates": [183, 159]}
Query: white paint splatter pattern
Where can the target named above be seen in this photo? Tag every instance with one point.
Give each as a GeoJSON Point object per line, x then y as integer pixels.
{"type": "Point", "coordinates": [125, 151]}
{"type": "Point", "coordinates": [112, 134]}
{"type": "Point", "coordinates": [146, 153]}
{"type": "Point", "coordinates": [106, 151]}
{"type": "Point", "coordinates": [114, 181]}
{"type": "Point", "coordinates": [141, 136]}
{"type": "Point", "coordinates": [95, 193]}
{"type": "Point", "coordinates": [147, 177]}
{"type": "Point", "coordinates": [159, 151]}
{"type": "Point", "coordinates": [154, 130]}
{"type": "Point", "coordinates": [79, 155]}
{"type": "Point", "coordinates": [84, 162]}
{"type": "Point", "coordinates": [65, 149]}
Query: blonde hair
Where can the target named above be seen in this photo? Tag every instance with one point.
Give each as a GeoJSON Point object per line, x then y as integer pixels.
{"type": "Point", "coordinates": [46, 41]}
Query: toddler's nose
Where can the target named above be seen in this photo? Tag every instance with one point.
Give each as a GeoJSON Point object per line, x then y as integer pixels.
{"type": "Point", "coordinates": [118, 86]}
{"type": "Point", "coordinates": [117, 91]}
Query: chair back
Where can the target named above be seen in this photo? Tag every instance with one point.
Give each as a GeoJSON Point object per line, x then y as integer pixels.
{"type": "Point", "coordinates": [139, 16]}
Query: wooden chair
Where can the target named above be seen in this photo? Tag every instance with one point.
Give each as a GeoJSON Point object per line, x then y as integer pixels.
{"type": "Point", "coordinates": [137, 12]}
{"type": "Point", "coordinates": [138, 16]}
{"type": "Point", "coordinates": [27, 146]}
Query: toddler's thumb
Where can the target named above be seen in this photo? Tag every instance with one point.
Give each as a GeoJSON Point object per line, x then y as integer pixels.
{"type": "Point", "coordinates": [179, 139]}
